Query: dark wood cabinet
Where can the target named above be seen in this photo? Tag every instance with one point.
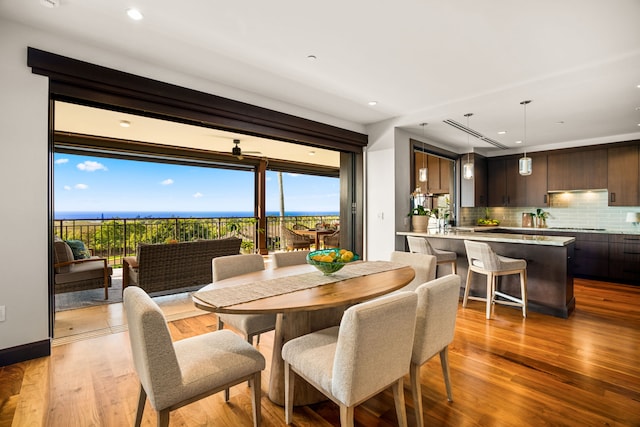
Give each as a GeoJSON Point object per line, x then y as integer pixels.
{"type": "Point", "coordinates": [624, 257]}
{"type": "Point", "coordinates": [623, 180]}
{"type": "Point", "coordinates": [583, 169]}
{"type": "Point", "coordinates": [536, 183]}
{"type": "Point", "coordinates": [506, 187]}
{"type": "Point", "coordinates": [473, 192]}
{"type": "Point", "coordinates": [439, 173]}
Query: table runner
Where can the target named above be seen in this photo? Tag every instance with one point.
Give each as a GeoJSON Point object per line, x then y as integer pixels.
{"type": "Point", "coordinates": [247, 292]}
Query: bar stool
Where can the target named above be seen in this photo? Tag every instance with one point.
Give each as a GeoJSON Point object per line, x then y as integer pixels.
{"type": "Point", "coordinates": [483, 260]}
{"type": "Point", "coordinates": [421, 245]}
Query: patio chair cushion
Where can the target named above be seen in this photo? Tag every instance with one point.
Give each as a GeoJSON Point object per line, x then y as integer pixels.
{"type": "Point", "coordinates": [79, 249]}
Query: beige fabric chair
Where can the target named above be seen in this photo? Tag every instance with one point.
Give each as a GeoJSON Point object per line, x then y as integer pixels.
{"type": "Point", "coordinates": [249, 325]}
{"type": "Point", "coordinates": [422, 245]}
{"type": "Point", "coordinates": [424, 265]}
{"type": "Point", "coordinates": [435, 327]}
{"type": "Point", "coordinates": [293, 241]}
{"type": "Point", "coordinates": [175, 374]}
{"type": "Point", "coordinates": [483, 260]}
{"type": "Point", "coordinates": [368, 352]}
{"type": "Point", "coordinates": [285, 259]}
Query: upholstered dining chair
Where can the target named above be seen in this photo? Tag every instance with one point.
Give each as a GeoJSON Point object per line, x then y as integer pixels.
{"type": "Point", "coordinates": [424, 265]}
{"type": "Point", "coordinates": [422, 245]}
{"type": "Point", "coordinates": [368, 352]}
{"type": "Point", "coordinates": [435, 327]}
{"type": "Point", "coordinates": [285, 259]}
{"type": "Point", "coordinates": [249, 325]}
{"type": "Point", "coordinates": [483, 260]}
{"type": "Point", "coordinates": [174, 374]}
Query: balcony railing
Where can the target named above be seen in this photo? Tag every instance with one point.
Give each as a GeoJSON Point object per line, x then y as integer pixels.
{"type": "Point", "coordinates": [116, 238]}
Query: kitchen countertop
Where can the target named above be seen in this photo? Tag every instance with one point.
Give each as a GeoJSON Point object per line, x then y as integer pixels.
{"type": "Point", "coordinates": [461, 233]}
{"type": "Point", "coordinates": [553, 229]}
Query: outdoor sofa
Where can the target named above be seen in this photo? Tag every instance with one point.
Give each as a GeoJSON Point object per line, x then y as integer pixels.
{"type": "Point", "coordinates": [163, 267]}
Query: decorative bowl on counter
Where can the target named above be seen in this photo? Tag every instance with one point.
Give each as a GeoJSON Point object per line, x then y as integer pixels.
{"type": "Point", "coordinates": [329, 261]}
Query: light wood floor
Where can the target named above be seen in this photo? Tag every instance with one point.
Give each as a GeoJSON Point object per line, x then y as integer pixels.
{"type": "Point", "coordinates": [542, 371]}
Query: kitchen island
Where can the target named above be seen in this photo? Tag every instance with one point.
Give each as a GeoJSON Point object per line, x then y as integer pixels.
{"type": "Point", "coordinates": [549, 265]}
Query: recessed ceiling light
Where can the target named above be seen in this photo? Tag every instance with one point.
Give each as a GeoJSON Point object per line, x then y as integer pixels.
{"type": "Point", "coordinates": [134, 14]}
{"type": "Point", "coordinates": [560, 122]}
{"type": "Point", "coordinates": [502, 132]}
{"type": "Point", "coordinates": [312, 57]}
{"type": "Point", "coordinates": [125, 123]}
{"type": "Point", "coordinates": [372, 103]}
{"type": "Point", "coordinates": [518, 142]}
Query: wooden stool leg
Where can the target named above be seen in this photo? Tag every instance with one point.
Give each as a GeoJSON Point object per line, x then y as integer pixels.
{"type": "Point", "coordinates": [466, 289]}
{"type": "Point", "coordinates": [490, 285]}
{"type": "Point", "coordinates": [523, 291]}
{"type": "Point", "coordinates": [454, 267]}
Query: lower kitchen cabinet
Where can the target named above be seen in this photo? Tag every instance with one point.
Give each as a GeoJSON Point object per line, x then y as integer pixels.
{"type": "Point", "coordinates": [624, 257]}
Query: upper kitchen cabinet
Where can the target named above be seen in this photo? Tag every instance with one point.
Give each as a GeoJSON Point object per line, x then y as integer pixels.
{"type": "Point", "coordinates": [506, 187]}
{"type": "Point", "coordinates": [473, 192]}
{"type": "Point", "coordinates": [439, 173]}
{"type": "Point", "coordinates": [583, 169]}
{"type": "Point", "coordinates": [536, 183]}
{"type": "Point", "coordinates": [624, 175]}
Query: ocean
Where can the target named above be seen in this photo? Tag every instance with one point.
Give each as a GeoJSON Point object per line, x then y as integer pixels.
{"type": "Point", "coordinates": [176, 214]}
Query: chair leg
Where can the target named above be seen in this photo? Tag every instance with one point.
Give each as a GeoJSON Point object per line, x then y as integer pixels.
{"type": "Point", "coordinates": [142, 398]}
{"type": "Point", "coordinates": [346, 416]}
{"type": "Point", "coordinates": [523, 291]}
{"type": "Point", "coordinates": [454, 267]}
{"type": "Point", "coordinates": [220, 324]}
{"type": "Point", "coordinates": [466, 289]}
{"type": "Point", "coordinates": [256, 406]}
{"type": "Point", "coordinates": [416, 392]}
{"type": "Point", "coordinates": [444, 361]}
{"type": "Point", "coordinates": [398, 397]}
{"type": "Point", "coordinates": [163, 418]}
{"type": "Point", "coordinates": [489, 294]}
{"type": "Point", "coordinates": [288, 393]}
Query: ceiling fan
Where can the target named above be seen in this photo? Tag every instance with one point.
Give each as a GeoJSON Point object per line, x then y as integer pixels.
{"type": "Point", "coordinates": [236, 151]}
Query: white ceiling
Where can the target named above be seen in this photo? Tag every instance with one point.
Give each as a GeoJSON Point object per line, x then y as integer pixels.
{"type": "Point", "coordinates": [421, 60]}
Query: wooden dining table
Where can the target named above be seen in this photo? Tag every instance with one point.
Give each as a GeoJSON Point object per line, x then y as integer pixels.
{"type": "Point", "coordinates": [302, 311]}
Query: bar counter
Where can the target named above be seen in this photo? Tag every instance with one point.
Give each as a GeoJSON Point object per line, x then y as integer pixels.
{"type": "Point", "coordinates": [549, 265]}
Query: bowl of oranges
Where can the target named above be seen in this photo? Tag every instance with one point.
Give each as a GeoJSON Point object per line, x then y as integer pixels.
{"type": "Point", "coordinates": [329, 261]}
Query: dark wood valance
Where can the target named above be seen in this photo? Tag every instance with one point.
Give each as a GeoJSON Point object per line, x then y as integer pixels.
{"type": "Point", "coordinates": [78, 81]}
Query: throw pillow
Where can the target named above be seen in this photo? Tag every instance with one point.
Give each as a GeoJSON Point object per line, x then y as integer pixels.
{"type": "Point", "coordinates": [78, 249]}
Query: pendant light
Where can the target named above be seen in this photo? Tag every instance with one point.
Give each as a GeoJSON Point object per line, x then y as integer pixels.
{"type": "Point", "coordinates": [525, 163]}
{"type": "Point", "coordinates": [423, 173]}
{"type": "Point", "coordinates": [467, 168]}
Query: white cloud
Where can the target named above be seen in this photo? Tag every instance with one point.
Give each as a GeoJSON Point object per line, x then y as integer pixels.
{"type": "Point", "coordinates": [293, 174]}
{"type": "Point", "coordinates": [61, 161]}
{"type": "Point", "coordinates": [67, 187]}
{"type": "Point", "coordinates": [90, 166]}
{"type": "Point", "coordinates": [198, 195]}
{"type": "Point", "coordinates": [81, 186]}
{"type": "Point", "coordinates": [167, 181]}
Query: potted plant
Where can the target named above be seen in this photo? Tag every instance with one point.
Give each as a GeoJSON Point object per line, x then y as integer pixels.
{"type": "Point", "coordinates": [541, 216]}
{"type": "Point", "coordinates": [420, 218]}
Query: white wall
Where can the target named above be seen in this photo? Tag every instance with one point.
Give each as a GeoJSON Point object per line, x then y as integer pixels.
{"type": "Point", "coordinates": [24, 173]}
{"type": "Point", "coordinates": [23, 194]}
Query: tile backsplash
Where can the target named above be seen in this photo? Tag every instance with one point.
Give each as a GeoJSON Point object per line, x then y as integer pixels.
{"type": "Point", "coordinates": [580, 210]}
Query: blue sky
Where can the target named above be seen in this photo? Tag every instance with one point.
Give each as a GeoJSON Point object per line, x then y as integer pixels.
{"type": "Point", "coordinates": [97, 184]}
